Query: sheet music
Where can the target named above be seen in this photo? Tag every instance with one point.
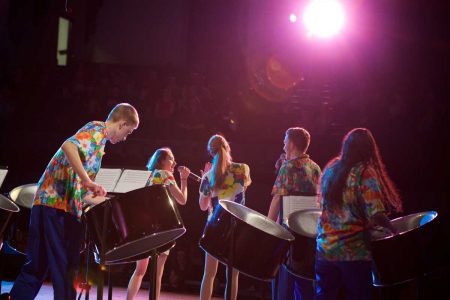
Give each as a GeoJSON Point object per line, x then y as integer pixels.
{"type": "Point", "coordinates": [295, 203]}
{"type": "Point", "coordinates": [108, 178]}
{"type": "Point", "coordinates": [132, 180]}
{"type": "Point", "coordinates": [3, 173]}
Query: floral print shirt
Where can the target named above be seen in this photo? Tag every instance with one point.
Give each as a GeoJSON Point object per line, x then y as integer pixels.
{"type": "Point", "coordinates": [233, 187]}
{"type": "Point", "coordinates": [298, 176]}
{"type": "Point", "coordinates": [161, 177]}
{"type": "Point", "coordinates": [60, 187]}
{"type": "Point", "coordinates": [341, 233]}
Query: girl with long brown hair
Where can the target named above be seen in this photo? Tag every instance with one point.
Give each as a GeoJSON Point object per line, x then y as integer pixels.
{"type": "Point", "coordinates": [223, 179]}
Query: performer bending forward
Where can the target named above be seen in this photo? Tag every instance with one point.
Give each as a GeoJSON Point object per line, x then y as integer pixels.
{"type": "Point", "coordinates": [162, 165]}
{"type": "Point", "coordinates": [55, 233]}
{"type": "Point", "coordinates": [223, 179]}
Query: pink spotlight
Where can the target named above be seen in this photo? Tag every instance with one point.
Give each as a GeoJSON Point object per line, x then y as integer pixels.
{"type": "Point", "coordinates": [324, 18]}
{"type": "Point", "coordinates": [293, 18]}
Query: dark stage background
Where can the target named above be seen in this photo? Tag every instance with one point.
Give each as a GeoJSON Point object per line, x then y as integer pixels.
{"type": "Point", "coordinates": [194, 68]}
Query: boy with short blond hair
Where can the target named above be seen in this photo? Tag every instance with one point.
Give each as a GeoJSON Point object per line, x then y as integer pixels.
{"type": "Point", "coordinates": [55, 234]}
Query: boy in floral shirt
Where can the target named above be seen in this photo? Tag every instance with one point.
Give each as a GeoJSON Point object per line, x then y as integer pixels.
{"type": "Point", "coordinates": [298, 175]}
{"type": "Point", "coordinates": [55, 232]}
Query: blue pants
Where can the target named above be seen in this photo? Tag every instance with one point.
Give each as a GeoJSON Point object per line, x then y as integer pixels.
{"type": "Point", "coordinates": [54, 244]}
{"type": "Point", "coordinates": [354, 277]}
{"type": "Point", "coordinates": [292, 287]}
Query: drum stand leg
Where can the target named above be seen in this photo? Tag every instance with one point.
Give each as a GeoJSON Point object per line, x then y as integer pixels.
{"type": "Point", "coordinates": [85, 284]}
{"type": "Point", "coordinates": [229, 282]}
{"type": "Point", "coordinates": [106, 213]}
{"type": "Point", "coordinates": [110, 286]}
{"type": "Point", "coordinates": [153, 267]}
{"type": "Point", "coordinates": [229, 287]}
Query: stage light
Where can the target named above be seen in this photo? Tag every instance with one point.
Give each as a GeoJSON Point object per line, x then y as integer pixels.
{"type": "Point", "coordinates": [293, 18]}
{"type": "Point", "coordinates": [324, 18]}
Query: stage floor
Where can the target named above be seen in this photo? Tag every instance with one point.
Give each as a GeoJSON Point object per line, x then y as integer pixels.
{"type": "Point", "coordinates": [119, 293]}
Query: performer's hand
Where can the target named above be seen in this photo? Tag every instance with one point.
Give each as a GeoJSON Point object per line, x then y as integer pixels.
{"type": "Point", "coordinates": [184, 172]}
{"type": "Point", "coordinates": [206, 168]}
{"type": "Point", "coordinates": [95, 188]}
{"type": "Point", "coordinates": [280, 161]}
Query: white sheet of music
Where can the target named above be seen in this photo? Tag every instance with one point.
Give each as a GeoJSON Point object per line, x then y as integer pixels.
{"type": "Point", "coordinates": [132, 180]}
{"type": "Point", "coordinates": [3, 173]}
{"type": "Point", "coordinates": [108, 178]}
{"type": "Point", "coordinates": [295, 203]}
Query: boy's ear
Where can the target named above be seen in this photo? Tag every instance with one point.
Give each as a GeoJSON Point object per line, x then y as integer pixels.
{"type": "Point", "coordinates": [122, 124]}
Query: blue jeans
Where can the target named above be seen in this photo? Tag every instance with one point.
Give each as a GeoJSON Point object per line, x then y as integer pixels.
{"type": "Point", "coordinates": [54, 243]}
{"type": "Point", "coordinates": [292, 287]}
{"type": "Point", "coordinates": [354, 277]}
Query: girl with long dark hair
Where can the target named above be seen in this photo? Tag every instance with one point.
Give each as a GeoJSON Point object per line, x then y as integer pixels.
{"type": "Point", "coordinates": [357, 194]}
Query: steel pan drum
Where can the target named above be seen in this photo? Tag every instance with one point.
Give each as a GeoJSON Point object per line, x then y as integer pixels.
{"type": "Point", "coordinates": [245, 240]}
{"type": "Point", "coordinates": [24, 195]}
{"type": "Point", "coordinates": [7, 208]}
{"type": "Point", "coordinates": [134, 223]}
{"type": "Point", "coordinates": [301, 256]}
{"type": "Point", "coordinates": [17, 233]}
{"type": "Point", "coordinates": [399, 258]}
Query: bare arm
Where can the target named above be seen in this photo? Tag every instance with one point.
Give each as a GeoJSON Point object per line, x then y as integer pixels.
{"type": "Point", "coordinates": [71, 152]}
{"type": "Point", "coordinates": [179, 194]}
{"type": "Point", "coordinates": [274, 208]}
{"type": "Point", "coordinates": [204, 201]}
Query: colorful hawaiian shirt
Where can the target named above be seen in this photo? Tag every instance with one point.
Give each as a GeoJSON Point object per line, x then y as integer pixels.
{"type": "Point", "coordinates": [341, 233]}
{"type": "Point", "coordinates": [60, 187]}
{"type": "Point", "coordinates": [233, 187]}
{"type": "Point", "coordinates": [299, 176]}
{"type": "Point", "coordinates": [161, 177]}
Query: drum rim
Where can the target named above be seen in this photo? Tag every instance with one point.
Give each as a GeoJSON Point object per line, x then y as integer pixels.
{"type": "Point", "coordinates": [16, 207]}
{"type": "Point", "coordinates": [432, 212]}
{"type": "Point", "coordinates": [111, 262]}
{"type": "Point", "coordinates": [299, 212]}
{"type": "Point", "coordinates": [287, 235]}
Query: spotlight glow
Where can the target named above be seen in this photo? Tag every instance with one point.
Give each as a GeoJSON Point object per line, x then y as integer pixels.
{"type": "Point", "coordinates": [324, 18]}
{"type": "Point", "coordinates": [293, 18]}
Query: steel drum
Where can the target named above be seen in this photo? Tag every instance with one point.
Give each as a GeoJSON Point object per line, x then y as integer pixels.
{"type": "Point", "coordinates": [126, 227]}
{"type": "Point", "coordinates": [301, 256]}
{"type": "Point", "coordinates": [246, 240]}
{"type": "Point", "coordinates": [24, 195]}
{"type": "Point", "coordinates": [401, 258]}
{"type": "Point", "coordinates": [17, 233]}
{"type": "Point", "coordinates": [7, 208]}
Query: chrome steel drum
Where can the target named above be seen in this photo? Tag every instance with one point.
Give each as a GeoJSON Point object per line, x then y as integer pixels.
{"type": "Point", "coordinates": [301, 256]}
{"type": "Point", "coordinates": [7, 208]}
{"type": "Point", "coordinates": [245, 240]}
{"type": "Point", "coordinates": [131, 224]}
{"type": "Point", "coordinates": [17, 233]}
{"type": "Point", "coordinates": [399, 258]}
{"type": "Point", "coordinates": [24, 195]}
